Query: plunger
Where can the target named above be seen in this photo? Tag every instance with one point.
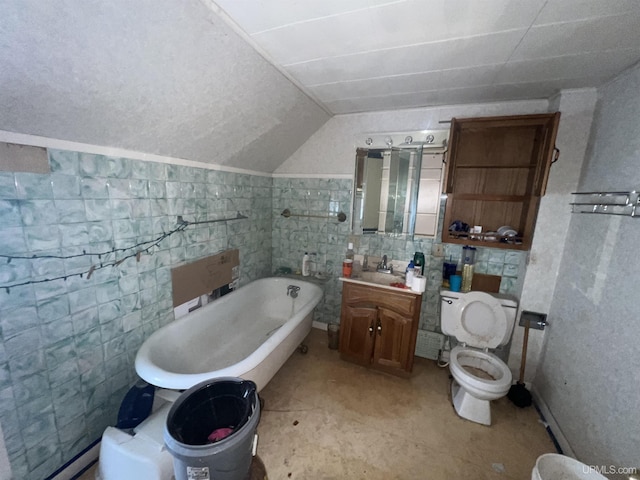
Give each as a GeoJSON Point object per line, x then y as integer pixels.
{"type": "Point", "coordinates": [518, 393]}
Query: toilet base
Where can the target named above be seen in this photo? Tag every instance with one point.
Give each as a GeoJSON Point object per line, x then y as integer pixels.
{"type": "Point", "coordinates": [469, 407]}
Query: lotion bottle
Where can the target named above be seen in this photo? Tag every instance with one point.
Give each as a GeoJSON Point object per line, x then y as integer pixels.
{"type": "Point", "coordinates": [408, 276]}
{"type": "Point", "coordinates": [305, 265]}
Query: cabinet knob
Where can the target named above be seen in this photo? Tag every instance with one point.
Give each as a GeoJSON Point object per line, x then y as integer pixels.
{"type": "Point", "coordinates": [379, 328]}
{"type": "Point", "coordinates": [371, 329]}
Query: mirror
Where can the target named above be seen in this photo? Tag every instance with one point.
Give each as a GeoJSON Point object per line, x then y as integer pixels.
{"type": "Point", "coordinates": [387, 180]}
{"type": "Point", "coordinates": [386, 190]}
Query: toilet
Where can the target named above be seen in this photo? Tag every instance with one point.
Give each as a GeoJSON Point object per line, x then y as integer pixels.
{"type": "Point", "coordinates": [480, 322]}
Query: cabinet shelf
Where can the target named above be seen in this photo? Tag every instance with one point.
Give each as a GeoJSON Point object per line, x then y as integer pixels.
{"type": "Point", "coordinates": [490, 197]}
{"type": "Point", "coordinates": [496, 174]}
{"type": "Point", "coordinates": [486, 240]}
{"type": "Point", "coordinates": [496, 166]}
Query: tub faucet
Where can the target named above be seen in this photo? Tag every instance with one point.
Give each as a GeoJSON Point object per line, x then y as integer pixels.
{"type": "Point", "coordinates": [292, 290]}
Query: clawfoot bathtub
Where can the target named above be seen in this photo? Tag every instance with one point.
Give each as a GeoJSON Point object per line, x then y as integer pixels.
{"type": "Point", "coordinates": [248, 333]}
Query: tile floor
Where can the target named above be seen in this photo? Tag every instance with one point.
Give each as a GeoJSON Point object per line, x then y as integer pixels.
{"type": "Point", "coordinates": [328, 419]}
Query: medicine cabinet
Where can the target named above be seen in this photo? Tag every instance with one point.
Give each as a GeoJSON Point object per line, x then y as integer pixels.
{"type": "Point", "coordinates": [497, 171]}
{"type": "Point", "coordinates": [398, 183]}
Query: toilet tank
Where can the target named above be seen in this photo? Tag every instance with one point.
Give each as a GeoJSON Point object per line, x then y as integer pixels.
{"type": "Point", "coordinates": [449, 309]}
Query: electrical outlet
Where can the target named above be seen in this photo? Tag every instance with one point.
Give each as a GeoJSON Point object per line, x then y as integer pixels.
{"type": "Point", "coordinates": [437, 250]}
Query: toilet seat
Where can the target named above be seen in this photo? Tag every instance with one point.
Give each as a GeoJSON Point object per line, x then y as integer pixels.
{"type": "Point", "coordinates": [485, 361]}
{"type": "Point", "coordinates": [480, 321]}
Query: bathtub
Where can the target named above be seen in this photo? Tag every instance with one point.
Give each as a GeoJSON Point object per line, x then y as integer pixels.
{"type": "Point", "coordinates": [248, 333]}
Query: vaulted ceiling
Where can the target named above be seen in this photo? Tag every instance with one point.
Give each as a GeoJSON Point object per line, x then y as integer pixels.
{"type": "Point", "coordinates": [156, 76]}
{"type": "Point", "coordinates": [245, 83]}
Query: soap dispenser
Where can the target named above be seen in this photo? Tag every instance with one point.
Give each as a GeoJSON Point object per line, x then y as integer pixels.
{"type": "Point", "coordinates": [305, 264]}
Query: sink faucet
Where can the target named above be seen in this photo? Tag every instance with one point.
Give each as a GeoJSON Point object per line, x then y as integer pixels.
{"type": "Point", "coordinates": [383, 267]}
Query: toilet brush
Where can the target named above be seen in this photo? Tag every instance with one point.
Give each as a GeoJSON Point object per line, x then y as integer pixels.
{"type": "Point", "coordinates": [518, 393]}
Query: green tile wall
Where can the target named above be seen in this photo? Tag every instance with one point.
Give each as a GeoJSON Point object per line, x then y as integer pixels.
{"type": "Point", "coordinates": [67, 348]}
{"type": "Point", "coordinates": [328, 239]}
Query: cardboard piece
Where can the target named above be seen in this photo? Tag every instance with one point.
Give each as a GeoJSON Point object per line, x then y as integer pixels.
{"type": "Point", "coordinates": [203, 276]}
{"type": "Point", "coordinates": [23, 158]}
{"type": "Point", "coordinates": [486, 283]}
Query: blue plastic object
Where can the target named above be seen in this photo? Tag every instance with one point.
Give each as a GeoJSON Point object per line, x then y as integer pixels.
{"type": "Point", "coordinates": [136, 405]}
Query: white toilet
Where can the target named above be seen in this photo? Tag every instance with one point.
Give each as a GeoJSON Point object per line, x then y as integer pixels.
{"type": "Point", "coordinates": [479, 321]}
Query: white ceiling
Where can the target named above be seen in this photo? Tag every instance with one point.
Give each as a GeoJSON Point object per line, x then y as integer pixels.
{"type": "Point", "coordinates": [367, 55]}
{"type": "Point", "coordinates": [172, 78]}
{"type": "Point", "coordinates": [166, 77]}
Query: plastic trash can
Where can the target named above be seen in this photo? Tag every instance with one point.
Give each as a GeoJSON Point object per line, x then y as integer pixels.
{"type": "Point", "coordinates": [211, 430]}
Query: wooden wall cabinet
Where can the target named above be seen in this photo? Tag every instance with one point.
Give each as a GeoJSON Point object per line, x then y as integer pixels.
{"type": "Point", "coordinates": [378, 327]}
{"type": "Point", "coordinates": [497, 171]}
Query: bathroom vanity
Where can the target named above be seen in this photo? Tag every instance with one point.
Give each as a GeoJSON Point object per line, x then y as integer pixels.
{"type": "Point", "coordinates": [379, 326]}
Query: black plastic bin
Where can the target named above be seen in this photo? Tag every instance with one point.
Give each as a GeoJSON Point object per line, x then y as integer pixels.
{"type": "Point", "coordinates": [226, 404]}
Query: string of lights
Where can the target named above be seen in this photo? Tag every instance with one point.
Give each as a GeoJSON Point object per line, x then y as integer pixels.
{"type": "Point", "coordinates": [136, 251]}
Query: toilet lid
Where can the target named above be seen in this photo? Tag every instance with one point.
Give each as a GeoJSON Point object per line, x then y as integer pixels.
{"type": "Point", "coordinates": [482, 321]}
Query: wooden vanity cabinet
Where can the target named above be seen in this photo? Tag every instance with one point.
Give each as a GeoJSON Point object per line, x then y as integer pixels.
{"type": "Point", "coordinates": [497, 171]}
{"type": "Point", "coordinates": [378, 327]}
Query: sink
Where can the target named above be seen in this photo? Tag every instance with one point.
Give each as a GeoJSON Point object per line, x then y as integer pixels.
{"type": "Point", "coordinates": [379, 278]}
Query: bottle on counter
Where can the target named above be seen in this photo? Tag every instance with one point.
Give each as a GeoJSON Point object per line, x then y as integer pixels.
{"type": "Point", "coordinates": [350, 253]}
{"type": "Point", "coordinates": [305, 265]}
{"type": "Point", "coordinates": [408, 276]}
{"type": "Point", "coordinates": [347, 268]}
{"type": "Point", "coordinates": [468, 262]}
{"type": "Point", "coordinates": [448, 268]}
{"type": "Point", "coordinates": [347, 263]}
{"type": "Point", "coordinates": [418, 261]}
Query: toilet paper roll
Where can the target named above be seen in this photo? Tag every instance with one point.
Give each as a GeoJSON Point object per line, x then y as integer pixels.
{"type": "Point", "coordinates": [419, 283]}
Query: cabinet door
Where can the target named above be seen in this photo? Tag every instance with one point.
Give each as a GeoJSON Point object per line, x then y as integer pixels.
{"type": "Point", "coordinates": [357, 326]}
{"type": "Point", "coordinates": [355, 295]}
{"type": "Point", "coordinates": [501, 156]}
{"type": "Point", "coordinates": [392, 351]}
